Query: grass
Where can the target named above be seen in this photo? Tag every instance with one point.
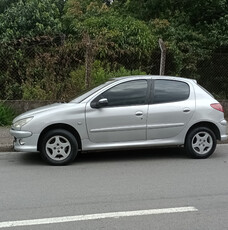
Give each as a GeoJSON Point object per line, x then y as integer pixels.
{"type": "Point", "coordinates": [7, 115]}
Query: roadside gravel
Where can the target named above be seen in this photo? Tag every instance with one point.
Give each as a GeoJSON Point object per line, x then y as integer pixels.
{"type": "Point", "coordinates": [6, 140]}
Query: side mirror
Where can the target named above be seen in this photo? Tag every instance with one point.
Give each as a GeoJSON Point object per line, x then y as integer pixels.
{"type": "Point", "coordinates": [99, 104]}
{"type": "Point", "coordinates": [102, 102]}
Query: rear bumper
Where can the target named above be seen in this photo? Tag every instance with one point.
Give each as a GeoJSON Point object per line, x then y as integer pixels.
{"type": "Point", "coordinates": [223, 130]}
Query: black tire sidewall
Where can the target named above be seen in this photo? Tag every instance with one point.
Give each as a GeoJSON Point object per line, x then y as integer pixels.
{"type": "Point", "coordinates": [188, 143]}
{"type": "Point", "coordinates": [69, 136]}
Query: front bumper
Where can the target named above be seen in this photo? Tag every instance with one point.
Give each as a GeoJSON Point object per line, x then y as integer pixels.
{"type": "Point", "coordinates": [24, 141]}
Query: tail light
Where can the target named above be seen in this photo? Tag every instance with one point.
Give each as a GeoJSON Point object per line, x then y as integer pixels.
{"type": "Point", "coordinates": [218, 107]}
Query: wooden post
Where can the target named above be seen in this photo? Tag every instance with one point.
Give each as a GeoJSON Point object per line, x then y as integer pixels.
{"type": "Point", "coordinates": [163, 56]}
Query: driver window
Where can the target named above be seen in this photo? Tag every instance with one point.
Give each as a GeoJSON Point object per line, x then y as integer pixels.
{"type": "Point", "coordinates": [125, 94]}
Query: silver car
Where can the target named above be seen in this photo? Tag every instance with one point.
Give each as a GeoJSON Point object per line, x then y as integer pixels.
{"type": "Point", "coordinates": [125, 113]}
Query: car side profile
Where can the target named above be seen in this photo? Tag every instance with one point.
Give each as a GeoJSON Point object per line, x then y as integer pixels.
{"type": "Point", "coordinates": [125, 113]}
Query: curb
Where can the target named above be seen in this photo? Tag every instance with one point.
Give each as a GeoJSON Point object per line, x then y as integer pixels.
{"type": "Point", "coordinates": [6, 148]}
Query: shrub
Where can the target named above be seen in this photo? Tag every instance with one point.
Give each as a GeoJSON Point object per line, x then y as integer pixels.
{"type": "Point", "coordinates": [100, 74]}
{"type": "Point", "coordinates": [6, 115]}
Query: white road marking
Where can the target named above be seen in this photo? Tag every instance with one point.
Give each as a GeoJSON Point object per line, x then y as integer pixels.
{"type": "Point", "coordinates": [65, 219]}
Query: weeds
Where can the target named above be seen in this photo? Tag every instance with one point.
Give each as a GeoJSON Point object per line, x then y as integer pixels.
{"type": "Point", "coordinates": [6, 115]}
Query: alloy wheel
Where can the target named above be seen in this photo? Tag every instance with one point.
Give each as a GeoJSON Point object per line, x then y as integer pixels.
{"type": "Point", "coordinates": [58, 148]}
{"type": "Point", "coordinates": [202, 142]}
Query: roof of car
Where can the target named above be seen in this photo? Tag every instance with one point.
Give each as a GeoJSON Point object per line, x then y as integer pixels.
{"type": "Point", "coordinates": [155, 77]}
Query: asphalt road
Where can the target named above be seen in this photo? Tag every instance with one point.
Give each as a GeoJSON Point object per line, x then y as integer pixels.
{"type": "Point", "coordinates": [100, 183]}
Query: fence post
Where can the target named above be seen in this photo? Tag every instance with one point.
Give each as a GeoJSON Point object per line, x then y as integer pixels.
{"type": "Point", "coordinates": [88, 60]}
{"type": "Point", "coordinates": [163, 56]}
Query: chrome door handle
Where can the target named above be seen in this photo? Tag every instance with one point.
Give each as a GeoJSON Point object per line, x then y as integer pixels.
{"type": "Point", "coordinates": [139, 113]}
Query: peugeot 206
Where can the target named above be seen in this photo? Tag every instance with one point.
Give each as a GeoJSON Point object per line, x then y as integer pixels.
{"type": "Point", "coordinates": [125, 113]}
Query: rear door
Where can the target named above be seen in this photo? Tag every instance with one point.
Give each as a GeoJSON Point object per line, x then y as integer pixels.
{"type": "Point", "coordinates": [171, 108]}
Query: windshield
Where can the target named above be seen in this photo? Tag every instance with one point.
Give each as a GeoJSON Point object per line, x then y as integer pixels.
{"type": "Point", "coordinates": [90, 92]}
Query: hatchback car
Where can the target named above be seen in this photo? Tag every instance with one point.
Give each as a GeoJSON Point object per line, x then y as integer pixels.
{"type": "Point", "coordinates": [127, 112]}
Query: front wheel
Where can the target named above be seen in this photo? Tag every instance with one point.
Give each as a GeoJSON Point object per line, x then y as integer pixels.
{"type": "Point", "coordinates": [59, 147]}
{"type": "Point", "coordinates": [200, 143]}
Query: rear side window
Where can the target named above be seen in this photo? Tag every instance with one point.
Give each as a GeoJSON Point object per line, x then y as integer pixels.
{"type": "Point", "coordinates": [170, 91]}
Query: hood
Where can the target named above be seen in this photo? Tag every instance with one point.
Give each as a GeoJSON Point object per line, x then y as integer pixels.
{"type": "Point", "coordinates": [42, 109]}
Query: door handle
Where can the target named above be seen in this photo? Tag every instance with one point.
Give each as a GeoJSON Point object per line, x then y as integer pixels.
{"type": "Point", "coordinates": [139, 113]}
{"type": "Point", "coordinates": [186, 110]}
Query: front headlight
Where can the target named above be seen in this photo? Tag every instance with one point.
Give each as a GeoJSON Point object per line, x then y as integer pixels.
{"type": "Point", "coordinates": [22, 122]}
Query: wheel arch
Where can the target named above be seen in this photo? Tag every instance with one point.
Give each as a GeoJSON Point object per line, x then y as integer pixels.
{"type": "Point", "coordinates": [209, 125]}
{"type": "Point", "coordinates": [60, 126]}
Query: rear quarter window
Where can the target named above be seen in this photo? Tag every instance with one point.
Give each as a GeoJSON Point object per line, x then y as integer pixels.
{"type": "Point", "coordinates": [170, 91]}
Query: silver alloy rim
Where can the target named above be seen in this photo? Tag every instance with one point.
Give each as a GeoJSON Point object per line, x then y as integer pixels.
{"type": "Point", "coordinates": [202, 143]}
{"type": "Point", "coordinates": [58, 148]}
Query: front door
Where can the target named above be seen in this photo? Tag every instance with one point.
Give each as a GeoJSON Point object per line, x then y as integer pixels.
{"type": "Point", "coordinates": [124, 116]}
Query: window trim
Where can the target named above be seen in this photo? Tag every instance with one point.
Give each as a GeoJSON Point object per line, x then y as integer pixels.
{"type": "Point", "coordinates": [153, 91]}
{"type": "Point", "coordinates": [146, 100]}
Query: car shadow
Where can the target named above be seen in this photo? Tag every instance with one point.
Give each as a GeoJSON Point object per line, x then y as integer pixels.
{"type": "Point", "coordinates": [131, 155]}
{"type": "Point", "coordinates": [113, 156]}
{"type": "Point", "coordinates": [32, 159]}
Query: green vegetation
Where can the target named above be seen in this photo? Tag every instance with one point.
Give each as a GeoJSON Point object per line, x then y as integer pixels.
{"type": "Point", "coordinates": [7, 115]}
{"type": "Point", "coordinates": [54, 49]}
{"type": "Point", "coordinates": [100, 74]}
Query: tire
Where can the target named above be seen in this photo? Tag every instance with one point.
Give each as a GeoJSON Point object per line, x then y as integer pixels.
{"type": "Point", "coordinates": [200, 143]}
{"type": "Point", "coordinates": [59, 147]}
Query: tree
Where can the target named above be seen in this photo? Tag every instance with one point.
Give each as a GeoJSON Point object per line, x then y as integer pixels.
{"type": "Point", "coordinates": [192, 30]}
{"type": "Point", "coordinates": [198, 11]}
{"type": "Point", "coordinates": [30, 18]}
{"type": "Point", "coordinates": [4, 4]}
{"type": "Point", "coordinates": [122, 34]}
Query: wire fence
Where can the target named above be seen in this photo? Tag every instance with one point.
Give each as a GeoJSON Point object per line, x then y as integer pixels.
{"type": "Point", "coordinates": [59, 69]}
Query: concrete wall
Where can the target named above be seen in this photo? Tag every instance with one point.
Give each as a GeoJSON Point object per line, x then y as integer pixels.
{"type": "Point", "coordinates": [21, 106]}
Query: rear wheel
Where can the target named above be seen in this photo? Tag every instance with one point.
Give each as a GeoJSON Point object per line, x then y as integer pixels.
{"type": "Point", "coordinates": [200, 142]}
{"type": "Point", "coordinates": [59, 147]}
